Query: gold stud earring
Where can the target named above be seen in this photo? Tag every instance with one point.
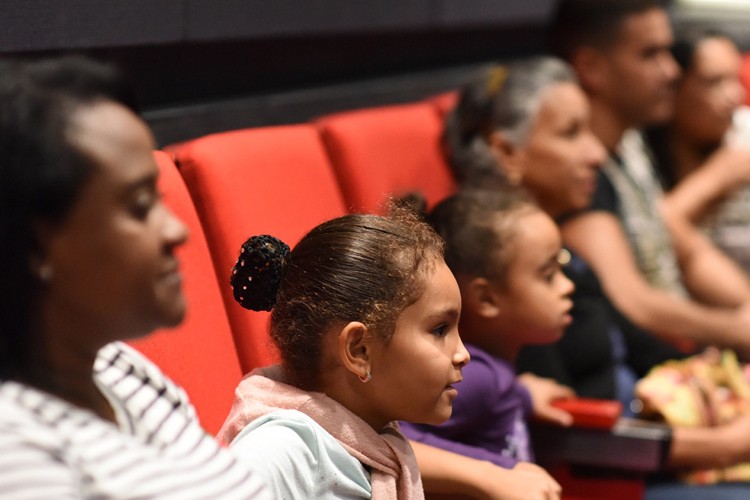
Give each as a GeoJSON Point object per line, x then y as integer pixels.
{"type": "Point", "coordinates": [514, 178]}
{"type": "Point", "coordinates": [45, 273]}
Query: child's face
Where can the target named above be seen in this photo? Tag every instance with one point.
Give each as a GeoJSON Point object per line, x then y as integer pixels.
{"type": "Point", "coordinates": [535, 299]}
{"type": "Point", "coordinates": [414, 373]}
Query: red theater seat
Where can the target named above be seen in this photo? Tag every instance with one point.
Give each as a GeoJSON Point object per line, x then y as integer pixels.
{"type": "Point", "coordinates": [199, 354]}
{"type": "Point", "coordinates": [444, 103]}
{"type": "Point", "coordinates": [273, 180]}
{"type": "Point", "coordinates": [745, 76]}
{"type": "Point", "coordinates": [389, 150]}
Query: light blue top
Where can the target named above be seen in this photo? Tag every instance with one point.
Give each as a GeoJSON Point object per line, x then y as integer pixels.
{"type": "Point", "coordinates": [297, 458]}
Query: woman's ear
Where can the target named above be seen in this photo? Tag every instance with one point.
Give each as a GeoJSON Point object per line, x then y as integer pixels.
{"type": "Point", "coordinates": [508, 155]}
{"type": "Point", "coordinates": [354, 349]}
{"type": "Point", "coordinates": [482, 298]}
{"type": "Point", "coordinates": [39, 262]}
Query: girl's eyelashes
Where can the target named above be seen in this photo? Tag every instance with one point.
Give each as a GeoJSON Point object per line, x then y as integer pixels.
{"type": "Point", "coordinates": [441, 330]}
{"type": "Point", "coordinates": [555, 265]}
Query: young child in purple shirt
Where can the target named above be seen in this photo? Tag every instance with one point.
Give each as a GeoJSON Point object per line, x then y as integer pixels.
{"type": "Point", "coordinates": [506, 254]}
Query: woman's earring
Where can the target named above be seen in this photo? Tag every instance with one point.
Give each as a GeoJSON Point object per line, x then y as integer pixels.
{"type": "Point", "coordinates": [366, 377]}
{"type": "Point", "coordinates": [44, 272]}
{"type": "Point", "coordinates": [514, 178]}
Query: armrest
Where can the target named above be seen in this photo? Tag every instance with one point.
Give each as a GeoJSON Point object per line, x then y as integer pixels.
{"type": "Point", "coordinates": [591, 413]}
{"type": "Point", "coordinates": [622, 443]}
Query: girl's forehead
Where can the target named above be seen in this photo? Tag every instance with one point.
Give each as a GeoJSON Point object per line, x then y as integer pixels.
{"type": "Point", "coordinates": [534, 232]}
{"type": "Point", "coordinates": [508, 222]}
{"type": "Point", "coordinates": [437, 292]}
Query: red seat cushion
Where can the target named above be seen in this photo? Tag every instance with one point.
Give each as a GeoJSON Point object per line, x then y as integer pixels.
{"type": "Point", "coordinates": [745, 76]}
{"type": "Point", "coordinates": [199, 354]}
{"type": "Point", "coordinates": [272, 180]}
{"type": "Point", "coordinates": [387, 151]}
{"type": "Point", "coordinates": [614, 485]}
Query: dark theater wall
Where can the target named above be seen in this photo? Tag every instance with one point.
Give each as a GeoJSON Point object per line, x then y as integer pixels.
{"type": "Point", "coordinates": [209, 65]}
{"type": "Point", "coordinates": [29, 25]}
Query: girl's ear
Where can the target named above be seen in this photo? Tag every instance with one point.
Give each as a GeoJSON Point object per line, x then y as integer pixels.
{"type": "Point", "coordinates": [508, 155]}
{"type": "Point", "coordinates": [354, 349]}
{"type": "Point", "coordinates": [482, 298]}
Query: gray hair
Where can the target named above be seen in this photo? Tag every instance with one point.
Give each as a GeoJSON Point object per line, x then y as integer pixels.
{"type": "Point", "coordinates": [516, 105]}
{"type": "Point", "coordinates": [503, 98]}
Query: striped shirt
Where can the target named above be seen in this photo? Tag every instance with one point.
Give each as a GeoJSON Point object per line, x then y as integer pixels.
{"type": "Point", "coordinates": [52, 449]}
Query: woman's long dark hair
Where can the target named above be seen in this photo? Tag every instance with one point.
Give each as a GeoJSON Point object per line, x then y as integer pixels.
{"type": "Point", "coordinates": [41, 175]}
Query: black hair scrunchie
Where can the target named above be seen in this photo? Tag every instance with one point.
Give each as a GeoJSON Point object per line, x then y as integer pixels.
{"type": "Point", "coordinates": [256, 276]}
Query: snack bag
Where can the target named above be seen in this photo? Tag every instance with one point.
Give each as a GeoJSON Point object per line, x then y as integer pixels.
{"type": "Point", "coordinates": [705, 390]}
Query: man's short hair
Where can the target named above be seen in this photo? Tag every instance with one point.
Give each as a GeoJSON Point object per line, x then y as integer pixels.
{"type": "Point", "coordinates": [594, 23]}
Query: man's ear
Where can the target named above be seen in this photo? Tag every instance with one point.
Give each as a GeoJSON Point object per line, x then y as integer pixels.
{"type": "Point", "coordinates": [508, 155]}
{"type": "Point", "coordinates": [590, 65]}
{"type": "Point", "coordinates": [354, 348]}
{"type": "Point", "coordinates": [482, 298]}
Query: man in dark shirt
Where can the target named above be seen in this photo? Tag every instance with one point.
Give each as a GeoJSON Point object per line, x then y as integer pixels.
{"type": "Point", "coordinates": [664, 276]}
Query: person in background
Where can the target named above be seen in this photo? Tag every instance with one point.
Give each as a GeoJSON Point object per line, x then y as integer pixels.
{"type": "Point", "coordinates": [505, 253]}
{"type": "Point", "coordinates": [531, 129]}
{"type": "Point", "coordinates": [365, 315]}
{"type": "Point", "coordinates": [88, 261]}
{"type": "Point", "coordinates": [703, 153]}
{"type": "Point", "coordinates": [668, 280]}
{"type": "Point", "coordinates": [600, 354]}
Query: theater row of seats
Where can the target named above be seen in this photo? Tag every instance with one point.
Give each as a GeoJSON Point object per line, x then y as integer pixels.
{"type": "Point", "coordinates": [284, 180]}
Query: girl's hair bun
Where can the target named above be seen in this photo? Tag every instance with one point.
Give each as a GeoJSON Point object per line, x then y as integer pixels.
{"type": "Point", "coordinates": [257, 274]}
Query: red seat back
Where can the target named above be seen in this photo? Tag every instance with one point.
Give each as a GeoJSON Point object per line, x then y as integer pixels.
{"type": "Point", "coordinates": [384, 151]}
{"type": "Point", "coordinates": [745, 76]}
{"type": "Point", "coordinates": [272, 180]}
{"type": "Point", "coordinates": [444, 103]}
{"type": "Point", "coordinates": [199, 354]}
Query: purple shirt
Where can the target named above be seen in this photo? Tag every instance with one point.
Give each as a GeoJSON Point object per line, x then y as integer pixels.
{"type": "Point", "coordinates": [489, 415]}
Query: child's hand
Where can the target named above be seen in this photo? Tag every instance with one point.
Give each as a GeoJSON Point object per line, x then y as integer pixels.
{"type": "Point", "coordinates": [527, 481]}
{"type": "Point", "coordinates": [543, 392]}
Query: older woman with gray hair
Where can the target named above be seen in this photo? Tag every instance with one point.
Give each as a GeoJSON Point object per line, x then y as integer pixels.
{"type": "Point", "coordinates": [527, 124]}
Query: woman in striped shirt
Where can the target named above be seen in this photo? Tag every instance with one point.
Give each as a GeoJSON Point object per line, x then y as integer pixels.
{"type": "Point", "coordinates": [88, 260]}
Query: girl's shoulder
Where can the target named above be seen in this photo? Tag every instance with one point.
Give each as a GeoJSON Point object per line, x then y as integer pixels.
{"type": "Point", "coordinates": [286, 441]}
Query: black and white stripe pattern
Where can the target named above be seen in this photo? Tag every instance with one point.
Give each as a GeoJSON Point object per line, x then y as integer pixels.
{"type": "Point", "coordinates": [51, 449]}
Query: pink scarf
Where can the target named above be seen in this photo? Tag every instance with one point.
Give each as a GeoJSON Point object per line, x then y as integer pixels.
{"type": "Point", "coordinates": [394, 471]}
